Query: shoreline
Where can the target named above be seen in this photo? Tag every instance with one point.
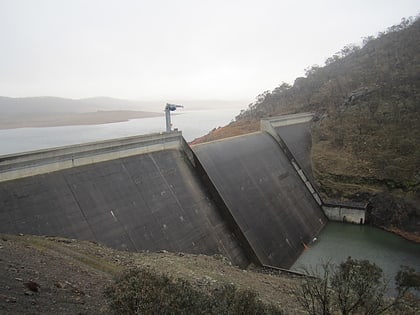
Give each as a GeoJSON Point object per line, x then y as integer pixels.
{"type": "Point", "coordinates": [72, 119]}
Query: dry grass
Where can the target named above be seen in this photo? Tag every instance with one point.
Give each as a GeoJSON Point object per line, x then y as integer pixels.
{"type": "Point", "coordinates": [236, 128]}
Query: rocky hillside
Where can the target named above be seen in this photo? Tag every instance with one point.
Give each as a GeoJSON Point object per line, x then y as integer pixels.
{"type": "Point", "coordinates": [366, 138]}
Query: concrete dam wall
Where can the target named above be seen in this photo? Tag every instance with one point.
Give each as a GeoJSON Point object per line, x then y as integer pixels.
{"type": "Point", "coordinates": [264, 194]}
{"type": "Point", "coordinates": [148, 201]}
{"type": "Point", "coordinates": [239, 197]}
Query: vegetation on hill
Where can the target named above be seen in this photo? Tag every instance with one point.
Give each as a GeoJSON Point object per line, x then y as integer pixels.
{"type": "Point", "coordinates": [366, 137]}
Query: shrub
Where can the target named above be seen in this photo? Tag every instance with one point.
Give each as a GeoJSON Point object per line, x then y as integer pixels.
{"type": "Point", "coordinates": [140, 291]}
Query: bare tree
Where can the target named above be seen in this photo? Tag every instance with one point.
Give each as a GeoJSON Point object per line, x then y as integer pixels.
{"type": "Point", "coordinates": [353, 287]}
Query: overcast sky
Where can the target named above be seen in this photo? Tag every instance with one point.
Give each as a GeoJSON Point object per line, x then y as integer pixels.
{"type": "Point", "coordinates": [177, 49]}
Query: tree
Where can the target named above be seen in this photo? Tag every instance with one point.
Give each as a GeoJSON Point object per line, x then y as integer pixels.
{"type": "Point", "coordinates": [282, 88]}
{"type": "Point", "coordinates": [359, 287]}
{"type": "Point", "coordinates": [367, 39]}
{"type": "Point", "coordinates": [353, 287]}
{"type": "Point", "coordinates": [332, 59]}
{"type": "Point", "coordinates": [407, 279]}
{"type": "Point", "coordinates": [348, 50]}
{"type": "Point", "coordinates": [311, 70]}
{"type": "Point", "coordinates": [314, 294]}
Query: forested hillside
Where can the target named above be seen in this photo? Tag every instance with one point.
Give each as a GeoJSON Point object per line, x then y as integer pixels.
{"type": "Point", "coordinates": [366, 137]}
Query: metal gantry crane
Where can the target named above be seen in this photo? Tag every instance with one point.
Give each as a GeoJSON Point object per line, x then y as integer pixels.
{"type": "Point", "coordinates": [168, 109]}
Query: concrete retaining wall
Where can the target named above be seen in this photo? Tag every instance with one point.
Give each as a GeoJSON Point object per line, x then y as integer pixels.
{"type": "Point", "coordinates": [288, 119]}
{"type": "Point", "coordinates": [342, 213]}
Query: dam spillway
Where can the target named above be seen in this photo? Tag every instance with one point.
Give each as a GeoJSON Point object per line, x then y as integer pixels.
{"type": "Point", "coordinates": [155, 193]}
{"type": "Point", "coordinates": [265, 195]}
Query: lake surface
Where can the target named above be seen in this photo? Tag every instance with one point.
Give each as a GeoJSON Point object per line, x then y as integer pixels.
{"type": "Point", "coordinates": [193, 124]}
{"type": "Point", "coordinates": [338, 241]}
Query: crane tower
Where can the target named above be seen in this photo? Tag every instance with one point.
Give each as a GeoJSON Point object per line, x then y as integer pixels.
{"type": "Point", "coordinates": [168, 109]}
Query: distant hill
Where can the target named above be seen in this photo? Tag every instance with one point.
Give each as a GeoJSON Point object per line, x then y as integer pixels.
{"type": "Point", "coordinates": [34, 111]}
{"type": "Point", "coordinates": [50, 104]}
{"type": "Point", "coordinates": [16, 106]}
{"type": "Point", "coordinates": [366, 140]}
{"type": "Point", "coordinates": [47, 111]}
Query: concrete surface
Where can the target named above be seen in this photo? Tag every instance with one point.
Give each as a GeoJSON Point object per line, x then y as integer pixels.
{"type": "Point", "coordinates": [244, 197]}
{"type": "Point", "coordinates": [350, 212]}
{"type": "Point", "coordinates": [17, 166]}
{"type": "Point", "coordinates": [298, 140]}
{"type": "Point", "coordinates": [264, 194]}
{"type": "Point", "coordinates": [151, 201]}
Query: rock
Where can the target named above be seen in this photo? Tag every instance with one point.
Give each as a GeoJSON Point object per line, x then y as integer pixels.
{"type": "Point", "coordinates": [11, 299]}
{"type": "Point", "coordinates": [32, 285]}
{"type": "Point", "coordinates": [59, 285]}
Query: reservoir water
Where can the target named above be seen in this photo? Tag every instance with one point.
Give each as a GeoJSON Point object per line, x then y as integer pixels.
{"type": "Point", "coordinates": [192, 123]}
{"type": "Point", "coordinates": [339, 240]}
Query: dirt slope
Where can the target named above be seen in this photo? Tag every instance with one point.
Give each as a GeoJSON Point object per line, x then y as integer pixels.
{"type": "Point", "coordinates": [70, 275]}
